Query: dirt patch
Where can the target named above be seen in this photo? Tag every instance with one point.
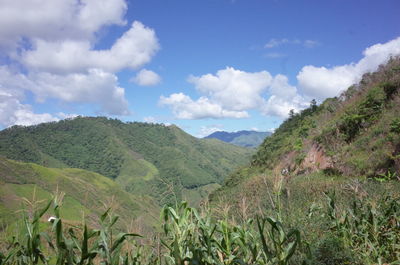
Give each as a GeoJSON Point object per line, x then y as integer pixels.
{"type": "Point", "coordinates": [316, 159]}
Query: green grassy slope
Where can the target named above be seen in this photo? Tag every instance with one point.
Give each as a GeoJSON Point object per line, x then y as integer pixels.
{"type": "Point", "coordinates": [354, 135]}
{"type": "Point", "coordinates": [343, 154]}
{"type": "Point", "coordinates": [86, 193]}
{"type": "Point", "coordinates": [144, 158]}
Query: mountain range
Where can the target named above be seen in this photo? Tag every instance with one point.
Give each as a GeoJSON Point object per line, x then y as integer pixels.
{"type": "Point", "coordinates": [162, 163]}
{"type": "Point", "coordinates": [241, 138]}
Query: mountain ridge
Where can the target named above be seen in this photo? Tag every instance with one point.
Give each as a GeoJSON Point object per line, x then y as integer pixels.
{"type": "Point", "coordinates": [143, 158]}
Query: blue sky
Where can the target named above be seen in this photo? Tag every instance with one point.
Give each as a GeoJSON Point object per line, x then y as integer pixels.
{"type": "Point", "coordinates": [203, 65]}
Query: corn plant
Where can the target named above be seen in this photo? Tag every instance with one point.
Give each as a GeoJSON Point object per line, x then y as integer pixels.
{"type": "Point", "coordinates": [283, 245]}
{"type": "Point", "coordinates": [29, 249]}
{"type": "Point", "coordinates": [371, 231]}
{"type": "Point", "coordinates": [195, 239]}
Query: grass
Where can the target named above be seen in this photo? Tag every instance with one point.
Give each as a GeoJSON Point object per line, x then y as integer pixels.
{"type": "Point", "coordinates": [86, 193]}
{"type": "Point", "coordinates": [360, 232]}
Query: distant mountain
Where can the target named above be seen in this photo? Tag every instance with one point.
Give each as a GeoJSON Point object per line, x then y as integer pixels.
{"type": "Point", "coordinates": [145, 159]}
{"type": "Point", "coordinates": [241, 138]}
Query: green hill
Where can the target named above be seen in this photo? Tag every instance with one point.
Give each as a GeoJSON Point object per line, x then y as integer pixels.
{"type": "Point", "coordinates": [355, 135]}
{"type": "Point", "coordinates": [148, 159]}
{"type": "Point", "coordinates": [85, 194]}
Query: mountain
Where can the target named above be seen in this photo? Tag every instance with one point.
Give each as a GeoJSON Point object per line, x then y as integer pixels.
{"type": "Point", "coordinates": [145, 159]}
{"type": "Point", "coordinates": [84, 193]}
{"type": "Point", "coordinates": [349, 138]}
{"type": "Point", "coordinates": [241, 138]}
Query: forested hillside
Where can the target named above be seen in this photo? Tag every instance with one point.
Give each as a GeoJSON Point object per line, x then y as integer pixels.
{"type": "Point", "coordinates": [152, 159]}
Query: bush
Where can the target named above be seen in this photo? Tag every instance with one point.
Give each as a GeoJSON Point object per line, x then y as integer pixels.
{"type": "Point", "coordinates": [390, 89]}
{"type": "Point", "coordinates": [332, 251]}
{"type": "Point", "coordinates": [395, 125]}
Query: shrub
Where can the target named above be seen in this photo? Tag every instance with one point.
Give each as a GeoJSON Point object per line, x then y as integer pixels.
{"type": "Point", "coordinates": [395, 125]}
{"type": "Point", "coordinates": [332, 251]}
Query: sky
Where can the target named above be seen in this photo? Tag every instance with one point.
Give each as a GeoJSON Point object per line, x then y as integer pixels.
{"type": "Point", "coordinates": [204, 65]}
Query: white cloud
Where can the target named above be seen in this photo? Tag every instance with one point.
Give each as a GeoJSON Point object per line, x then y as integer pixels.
{"type": "Point", "coordinates": [280, 107]}
{"type": "Point", "coordinates": [56, 19]}
{"type": "Point", "coordinates": [133, 49]}
{"type": "Point", "coordinates": [12, 112]}
{"type": "Point", "coordinates": [284, 97]}
{"type": "Point", "coordinates": [183, 107]}
{"type": "Point", "coordinates": [233, 89]}
{"type": "Point", "coordinates": [51, 45]}
{"type": "Point", "coordinates": [322, 82]}
{"type": "Point", "coordinates": [150, 119]}
{"type": "Point", "coordinates": [274, 43]}
{"type": "Point", "coordinates": [228, 94]}
{"type": "Point", "coordinates": [231, 93]}
{"type": "Point", "coordinates": [207, 130]}
{"type": "Point", "coordinates": [96, 87]}
{"type": "Point", "coordinates": [146, 78]}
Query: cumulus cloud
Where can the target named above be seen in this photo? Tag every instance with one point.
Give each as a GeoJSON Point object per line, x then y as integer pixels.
{"type": "Point", "coordinates": [231, 93]}
{"type": "Point", "coordinates": [207, 130]}
{"type": "Point", "coordinates": [133, 49]}
{"type": "Point", "coordinates": [183, 107]}
{"type": "Point", "coordinates": [13, 112]}
{"type": "Point", "coordinates": [322, 82]}
{"type": "Point", "coordinates": [233, 89]}
{"type": "Point", "coordinates": [227, 94]}
{"type": "Point", "coordinates": [283, 98]}
{"type": "Point", "coordinates": [56, 20]}
{"type": "Point", "coordinates": [146, 78]}
{"type": "Point", "coordinates": [51, 45]}
{"type": "Point", "coordinates": [96, 87]}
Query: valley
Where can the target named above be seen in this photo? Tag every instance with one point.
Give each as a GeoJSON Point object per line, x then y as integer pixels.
{"type": "Point", "coordinates": [323, 188]}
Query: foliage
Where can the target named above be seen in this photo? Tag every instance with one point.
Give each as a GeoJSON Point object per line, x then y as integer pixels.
{"type": "Point", "coordinates": [395, 125]}
{"type": "Point", "coordinates": [356, 133]}
{"type": "Point", "coordinates": [86, 193]}
{"type": "Point", "coordinates": [372, 230]}
{"type": "Point", "coordinates": [140, 156]}
{"type": "Point", "coordinates": [289, 136]}
{"type": "Point", "coordinates": [364, 233]}
{"type": "Point", "coordinates": [189, 238]}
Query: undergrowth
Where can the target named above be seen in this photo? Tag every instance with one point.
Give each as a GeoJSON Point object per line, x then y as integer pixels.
{"type": "Point", "coordinates": [363, 232]}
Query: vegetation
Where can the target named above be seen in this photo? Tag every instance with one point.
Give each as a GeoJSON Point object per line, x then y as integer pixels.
{"type": "Point", "coordinates": [324, 189]}
{"type": "Point", "coordinates": [354, 134]}
{"type": "Point", "coordinates": [364, 233]}
{"type": "Point", "coordinates": [85, 194]}
{"type": "Point", "coordinates": [144, 158]}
